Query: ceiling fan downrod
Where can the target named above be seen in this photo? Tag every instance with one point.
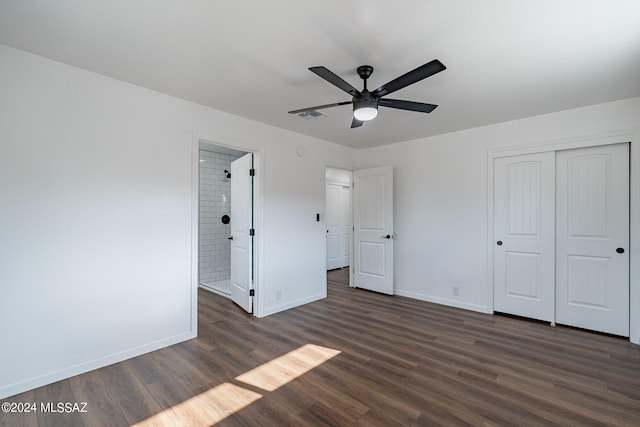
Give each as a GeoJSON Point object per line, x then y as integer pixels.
{"type": "Point", "coordinates": [364, 71]}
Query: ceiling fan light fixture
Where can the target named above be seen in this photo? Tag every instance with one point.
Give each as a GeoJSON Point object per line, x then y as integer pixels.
{"type": "Point", "coordinates": [365, 110]}
{"type": "Point", "coordinates": [365, 113]}
{"type": "Point", "coordinates": [365, 103]}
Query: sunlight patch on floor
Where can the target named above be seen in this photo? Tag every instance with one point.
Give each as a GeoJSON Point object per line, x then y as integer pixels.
{"type": "Point", "coordinates": [216, 404]}
{"type": "Point", "coordinates": [278, 372]}
{"type": "Point", "coordinates": [205, 409]}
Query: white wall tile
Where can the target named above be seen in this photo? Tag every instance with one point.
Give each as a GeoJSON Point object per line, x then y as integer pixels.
{"type": "Point", "coordinates": [215, 257]}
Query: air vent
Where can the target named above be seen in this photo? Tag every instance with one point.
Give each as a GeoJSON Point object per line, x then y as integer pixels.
{"type": "Point", "coordinates": [313, 114]}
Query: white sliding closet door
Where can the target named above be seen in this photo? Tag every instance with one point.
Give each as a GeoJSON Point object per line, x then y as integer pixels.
{"type": "Point", "coordinates": [524, 235]}
{"type": "Point", "coordinates": [592, 238]}
{"type": "Point", "coordinates": [561, 231]}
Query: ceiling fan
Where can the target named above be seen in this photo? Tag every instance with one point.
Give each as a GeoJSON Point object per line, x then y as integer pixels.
{"type": "Point", "coordinates": [366, 103]}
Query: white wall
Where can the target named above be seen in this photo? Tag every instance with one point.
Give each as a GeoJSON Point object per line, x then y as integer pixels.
{"type": "Point", "coordinates": [96, 193]}
{"type": "Point", "coordinates": [339, 176]}
{"type": "Point", "coordinates": [294, 194]}
{"type": "Point", "coordinates": [441, 192]}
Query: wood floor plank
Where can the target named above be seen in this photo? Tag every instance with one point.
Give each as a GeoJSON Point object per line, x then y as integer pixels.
{"type": "Point", "coordinates": [22, 418]}
{"type": "Point", "coordinates": [131, 396]}
{"type": "Point", "coordinates": [55, 394]}
{"type": "Point", "coordinates": [101, 411]}
{"type": "Point", "coordinates": [173, 364]}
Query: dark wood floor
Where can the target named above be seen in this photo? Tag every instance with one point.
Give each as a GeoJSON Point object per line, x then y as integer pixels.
{"type": "Point", "coordinates": [392, 361]}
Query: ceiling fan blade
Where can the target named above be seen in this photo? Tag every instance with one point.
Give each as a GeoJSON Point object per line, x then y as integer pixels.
{"type": "Point", "coordinates": [413, 76]}
{"type": "Point", "coordinates": [407, 105]}
{"type": "Point", "coordinates": [319, 107]}
{"type": "Point", "coordinates": [335, 80]}
{"type": "Point", "coordinates": [355, 123]}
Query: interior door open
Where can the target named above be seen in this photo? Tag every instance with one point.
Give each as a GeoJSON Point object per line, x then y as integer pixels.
{"type": "Point", "coordinates": [373, 229]}
{"type": "Point", "coordinates": [242, 232]}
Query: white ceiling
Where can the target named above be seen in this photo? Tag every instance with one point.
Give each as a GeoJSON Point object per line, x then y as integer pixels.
{"type": "Point", "coordinates": [505, 59]}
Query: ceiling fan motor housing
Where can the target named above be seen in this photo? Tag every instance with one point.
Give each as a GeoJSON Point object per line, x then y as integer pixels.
{"type": "Point", "coordinates": [367, 100]}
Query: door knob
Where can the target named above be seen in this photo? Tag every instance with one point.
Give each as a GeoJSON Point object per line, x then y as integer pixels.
{"type": "Point", "coordinates": [499, 243]}
{"type": "Point", "coordinates": [386, 237]}
{"type": "Point", "coordinates": [620, 250]}
{"type": "Point", "coordinates": [230, 238]}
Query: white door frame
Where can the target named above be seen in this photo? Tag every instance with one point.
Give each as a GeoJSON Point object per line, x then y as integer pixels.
{"type": "Point", "coordinates": [258, 197]}
{"type": "Point", "coordinates": [632, 137]}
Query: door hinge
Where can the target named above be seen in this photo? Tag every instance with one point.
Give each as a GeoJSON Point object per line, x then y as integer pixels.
{"type": "Point", "coordinates": [252, 232]}
{"type": "Point", "coordinates": [252, 172]}
{"type": "Point", "coordinates": [252, 292]}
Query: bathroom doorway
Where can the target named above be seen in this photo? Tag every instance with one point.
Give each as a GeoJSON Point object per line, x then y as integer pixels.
{"type": "Point", "coordinates": [214, 214]}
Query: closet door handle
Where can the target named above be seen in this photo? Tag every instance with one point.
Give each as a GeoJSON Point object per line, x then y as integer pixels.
{"type": "Point", "coordinates": [620, 250]}
{"type": "Point", "coordinates": [499, 243]}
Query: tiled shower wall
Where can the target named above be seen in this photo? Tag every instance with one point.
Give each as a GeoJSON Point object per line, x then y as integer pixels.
{"type": "Point", "coordinates": [215, 201]}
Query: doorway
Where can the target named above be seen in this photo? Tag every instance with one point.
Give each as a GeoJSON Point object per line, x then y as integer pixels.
{"type": "Point", "coordinates": [214, 214]}
{"type": "Point", "coordinates": [338, 217]}
{"type": "Point", "coordinates": [368, 234]}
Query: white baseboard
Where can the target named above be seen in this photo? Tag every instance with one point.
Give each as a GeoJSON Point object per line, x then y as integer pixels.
{"type": "Point", "coordinates": [292, 304]}
{"type": "Point", "coordinates": [444, 301]}
{"type": "Point", "coordinates": [30, 384]}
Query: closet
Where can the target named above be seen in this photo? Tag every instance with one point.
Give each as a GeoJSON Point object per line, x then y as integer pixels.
{"type": "Point", "coordinates": [561, 237]}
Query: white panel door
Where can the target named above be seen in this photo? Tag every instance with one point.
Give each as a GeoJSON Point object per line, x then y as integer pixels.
{"type": "Point", "coordinates": [592, 277]}
{"type": "Point", "coordinates": [241, 224]}
{"type": "Point", "coordinates": [332, 220]}
{"type": "Point", "coordinates": [524, 235]}
{"type": "Point", "coordinates": [373, 229]}
{"type": "Point", "coordinates": [338, 222]}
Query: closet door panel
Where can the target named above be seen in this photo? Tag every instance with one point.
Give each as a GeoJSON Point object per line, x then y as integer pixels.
{"type": "Point", "coordinates": [524, 235]}
{"type": "Point", "coordinates": [592, 238]}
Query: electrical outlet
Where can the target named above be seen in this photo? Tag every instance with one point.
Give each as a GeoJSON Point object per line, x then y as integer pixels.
{"type": "Point", "coordinates": [455, 291]}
